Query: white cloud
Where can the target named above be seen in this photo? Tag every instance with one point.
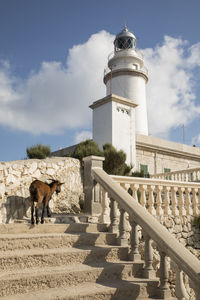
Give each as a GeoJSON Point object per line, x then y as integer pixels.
{"type": "Point", "coordinates": [171, 97]}
{"type": "Point", "coordinates": [83, 136]}
{"type": "Point", "coordinates": [57, 96]}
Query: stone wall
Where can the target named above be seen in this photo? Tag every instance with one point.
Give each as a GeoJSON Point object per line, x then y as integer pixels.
{"type": "Point", "coordinates": [16, 177]}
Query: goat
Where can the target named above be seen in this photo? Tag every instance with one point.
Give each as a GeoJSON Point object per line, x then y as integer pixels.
{"type": "Point", "coordinates": [41, 192]}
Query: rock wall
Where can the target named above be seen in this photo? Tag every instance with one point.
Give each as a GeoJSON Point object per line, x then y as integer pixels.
{"type": "Point", "coordinates": [16, 177]}
{"type": "Point", "coordinates": [183, 228]}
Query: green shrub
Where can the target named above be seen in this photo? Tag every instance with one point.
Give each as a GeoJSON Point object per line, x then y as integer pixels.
{"type": "Point", "coordinates": [85, 149]}
{"type": "Point", "coordinates": [115, 161]}
{"type": "Point", "coordinates": [38, 151]}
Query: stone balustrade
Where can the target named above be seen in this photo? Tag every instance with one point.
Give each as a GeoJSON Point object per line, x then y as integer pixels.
{"type": "Point", "coordinates": [187, 175]}
{"type": "Point", "coordinates": [170, 198]}
{"type": "Point", "coordinates": [163, 197]}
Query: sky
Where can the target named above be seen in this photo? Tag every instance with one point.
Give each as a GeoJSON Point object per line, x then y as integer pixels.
{"type": "Point", "coordinates": [53, 54]}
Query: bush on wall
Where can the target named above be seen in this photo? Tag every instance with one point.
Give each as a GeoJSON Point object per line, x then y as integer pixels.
{"type": "Point", "coordinates": [38, 151]}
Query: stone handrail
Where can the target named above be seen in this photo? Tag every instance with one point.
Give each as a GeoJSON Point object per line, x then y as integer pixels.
{"type": "Point", "coordinates": [181, 175]}
{"type": "Point", "coordinates": [152, 230]}
{"type": "Point", "coordinates": [163, 197]}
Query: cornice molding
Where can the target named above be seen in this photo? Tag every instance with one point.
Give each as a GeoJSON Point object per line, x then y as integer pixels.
{"type": "Point", "coordinates": [167, 151]}
{"type": "Point", "coordinates": [113, 98]}
{"type": "Point", "coordinates": [132, 72]}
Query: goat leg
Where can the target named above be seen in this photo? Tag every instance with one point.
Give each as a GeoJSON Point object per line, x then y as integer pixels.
{"type": "Point", "coordinates": [36, 214]}
{"type": "Point", "coordinates": [48, 211]}
{"type": "Point", "coordinates": [32, 212]}
{"type": "Point", "coordinates": [42, 217]}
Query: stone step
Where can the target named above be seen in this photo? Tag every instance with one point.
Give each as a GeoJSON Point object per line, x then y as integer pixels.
{"type": "Point", "coordinates": [62, 219]}
{"type": "Point", "coordinates": [55, 240]}
{"type": "Point", "coordinates": [131, 289]}
{"type": "Point", "coordinates": [34, 279]}
{"type": "Point", "coordinates": [52, 228]}
{"type": "Point", "coordinates": [21, 259]}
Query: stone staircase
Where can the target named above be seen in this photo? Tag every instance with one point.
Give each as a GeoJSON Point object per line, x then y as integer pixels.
{"type": "Point", "coordinates": [68, 261]}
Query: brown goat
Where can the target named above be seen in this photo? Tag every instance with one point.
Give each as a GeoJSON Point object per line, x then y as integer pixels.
{"type": "Point", "coordinates": [41, 192]}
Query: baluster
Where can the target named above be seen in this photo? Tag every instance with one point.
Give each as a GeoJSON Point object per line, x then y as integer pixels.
{"type": "Point", "coordinates": [195, 202]}
{"type": "Point", "coordinates": [143, 200]}
{"type": "Point", "coordinates": [134, 188]}
{"type": "Point", "coordinates": [198, 175]}
{"type": "Point", "coordinates": [167, 210]}
{"type": "Point", "coordinates": [148, 257]}
{"type": "Point", "coordinates": [175, 211]}
{"type": "Point", "coordinates": [188, 203]}
{"type": "Point", "coordinates": [180, 290]}
{"type": "Point", "coordinates": [164, 291]}
{"type": "Point", "coordinates": [151, 208]}
{"type": "Point", "coordinates": [182, 211]}
{"type": "Point", "coordinates": [113, 216]}
{"type": "Point", "coordinates": [186, 177]}
{"type": "Point", "coordinates": [105, 216]}
{"type": "Point", "coordinates": [159, 210]}
{"type": "Point", "coordinates": [124, 186]}
{"type": "Point", "coordinates": [134, 241]}
{"type": "Point", "coordinates": [122, 239]}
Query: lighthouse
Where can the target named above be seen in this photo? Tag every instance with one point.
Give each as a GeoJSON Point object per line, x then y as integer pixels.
{"type": "Point", "coordinates": [123, 112]}
{"type": "Point", "coordinates": [127, 76]}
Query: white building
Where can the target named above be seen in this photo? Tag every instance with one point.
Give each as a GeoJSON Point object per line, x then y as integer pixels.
{"type": "Point", "coordinates": [120, 118]}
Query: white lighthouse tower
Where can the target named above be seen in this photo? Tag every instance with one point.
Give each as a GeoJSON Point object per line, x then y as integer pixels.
{"type": "Point", "coordinates": [122, 113]}
{"type": "Point", "coordinates": [127, 76]}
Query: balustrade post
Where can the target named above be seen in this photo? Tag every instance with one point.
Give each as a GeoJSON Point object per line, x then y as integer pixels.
{"type": "Point", "coordinates": [180, 290]}
{"type": "Point", "coordinates": [175, 211]}
{"type": "Point", "coordinates": [122, 239]}
{"type": "Point", "coordinates": [167, 210]}
{"type": "Point", "coordinates": [143, 199]}
{"type": "Point", "coordinates": [151, 201]}
{"type": "Point", "coordinates": [148, 271]}
{"type": "Point", "coordinates": [159, 210]}
{"type": "Point", "coordinates": [195, 201]}
{"type": "Point", "coordinates": [92, 204]}
{"type": "Point", "coordinates": [164, 291]}
{"type": "Point", "coordinates": [124, 186]}
{"type": "Point", "coordinates": [182, 211]}
{"type": "Point", "coordinates": [134, 241]}
{"type": "Point", "coordinates": [134, 188]}
{"type": "Point", "coordinates": [113, 216]}
{"type": "Point", "coordinates": [105, 216]}
{"type": "Point", "coordinates": [188, 202]}
{"type": "Point", "coordinates": [186, 177]}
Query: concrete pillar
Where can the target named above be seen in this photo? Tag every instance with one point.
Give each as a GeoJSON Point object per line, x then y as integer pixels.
{"type": "Point", "coordinates": [92, 191]}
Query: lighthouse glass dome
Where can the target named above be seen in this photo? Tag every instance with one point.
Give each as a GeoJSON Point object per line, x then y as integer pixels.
{"type": "Point", "coordinates": [125, 40]}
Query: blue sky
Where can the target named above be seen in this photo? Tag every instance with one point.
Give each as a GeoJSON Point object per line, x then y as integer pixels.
{"type": "Point", "coordinates": [52, 57]}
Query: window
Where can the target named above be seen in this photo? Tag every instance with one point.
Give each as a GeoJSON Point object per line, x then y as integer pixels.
{"type": "Point", "coordinates": [167, 170]}
{"type": "Point", "coordinates": [144, 169]}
